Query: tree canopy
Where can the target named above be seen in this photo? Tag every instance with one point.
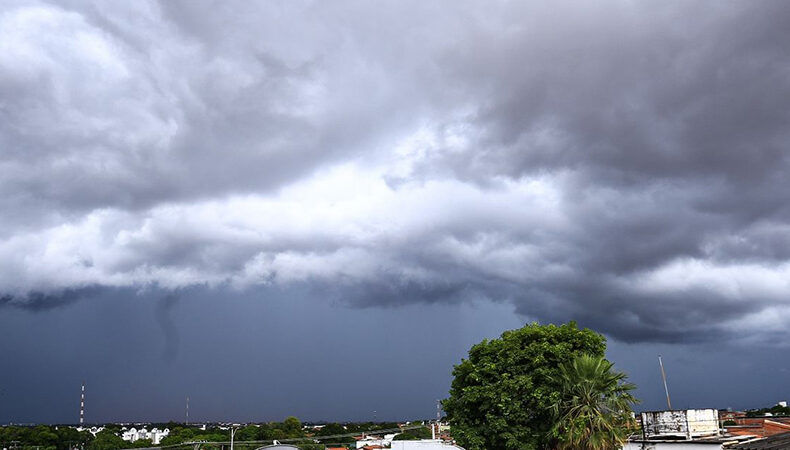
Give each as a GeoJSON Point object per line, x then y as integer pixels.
{"type": "Point", "coordinates": [414, 434]}
{"type": "Point", "coordinates": [107, 440]}
{"type": "Point", "coordinates": [502, 395]}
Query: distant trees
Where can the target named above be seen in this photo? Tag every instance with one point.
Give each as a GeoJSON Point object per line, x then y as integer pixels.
{"type": "Point", "coordinates": [594, 411]}
{"type": "Point", "coordinates": [331, 429]}
{"type": "Point", "coordinates": [503, 395]}
{"type": "Point", "coordinates": [107, 440]}
{"type": "Point", "coordinates": [776, 410]}
{"type": "Point", "coordinates": [141, 443]}
{"type": "Point", "coordinates": [69, 438]}
{"type": "Point", "coordinates": [50, 437]}
{"type": "Point", "coordinates": [334, 429]}
{"type": "Point", "coordinates": [414, 434]}
{"type": "Point", "coordinates": [290, 428]}
{"type": "Point", "coordinates": [45, 437]}
{"type": "Point", "coordinates": [248, 433]}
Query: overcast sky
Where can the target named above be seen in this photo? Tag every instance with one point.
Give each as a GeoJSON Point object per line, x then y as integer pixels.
{"type": "Point", "coordinates": [377, 176]}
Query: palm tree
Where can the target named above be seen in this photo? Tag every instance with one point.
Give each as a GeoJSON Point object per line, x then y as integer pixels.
{"type": "Point", "coordinates": [594, 412]}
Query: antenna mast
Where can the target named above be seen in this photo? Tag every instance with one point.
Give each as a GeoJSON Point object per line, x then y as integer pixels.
{"type": "Point", "coordinates": [187, 419]}
{"type": "Point", "coordinates": [82, 405]}
{"type": "Point", "coordinates": [664, 377]}
{"type": "Point", "coordinates": [438, 418]}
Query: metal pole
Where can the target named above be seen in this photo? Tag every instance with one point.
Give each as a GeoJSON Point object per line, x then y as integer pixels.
{"type": "Point", "coordinates": [82, 405]}
{"type": "Point", "coordinates": [232, 432]}
{"type": "Point", "coordinates": [438, 418]}
{"type": "Point", "coordinates": [664, 377]}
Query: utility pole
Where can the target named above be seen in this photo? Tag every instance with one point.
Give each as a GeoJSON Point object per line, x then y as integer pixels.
{"type": "Point", "coordinates": [232, 433]}
{"type": "Point", "coordinates": [664, 377]}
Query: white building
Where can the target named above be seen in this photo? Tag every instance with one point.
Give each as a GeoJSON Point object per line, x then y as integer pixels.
{"type": "Point", "coordinates": [129, 435]}
{"type": "Point", "coordinates": [374, 440]}
{"type": "Point", "coordinates": [92, 430]}
{"type": "Point", "coordinates": [155, 435]}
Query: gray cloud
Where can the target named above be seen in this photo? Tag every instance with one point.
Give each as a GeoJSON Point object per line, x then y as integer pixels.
{"type": "Point", "coordinates": [621, 164]}
{"type": "Point", "coordinates": [42, 301]}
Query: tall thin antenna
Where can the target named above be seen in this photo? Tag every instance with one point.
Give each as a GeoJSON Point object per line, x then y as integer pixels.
{"type": "Point", "coordinates": [187, 419]}
{"type": "Point", "coordinates": [435, 434]}
{"type": "Point", "coordinates": [664, 377]}
{"type": "Point", "coordinates": [82, 405]}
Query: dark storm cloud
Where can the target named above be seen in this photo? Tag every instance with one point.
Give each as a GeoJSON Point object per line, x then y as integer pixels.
{"type": "Point", "coordinates": [631, 93]}
{"type": "Point", "coordinates": [42, 301]}
{"type": "Point", "coordinates": [622, 163]}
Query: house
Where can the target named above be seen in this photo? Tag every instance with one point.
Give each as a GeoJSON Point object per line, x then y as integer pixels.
{"type": "Point", "coordinates": [725, 416]}
{"type": "Point", "coordinates": [155, 435]}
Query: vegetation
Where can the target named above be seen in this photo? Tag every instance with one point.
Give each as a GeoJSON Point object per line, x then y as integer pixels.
{"type": "Point", "coordinates": [594, 412]}
{"type": "Point", "coordinates": [775, 410]}
{"type": "Point", "coordinates": [334, 429]}
{"type": "Point", "coordinates": [44, 437]}
{"type": "Point", "coordinates": [290, 428]}
{"type": "Point", "coordinates": [502, 396]}
{"type": "Point", "coordinates": [414, 434]}
{"type": "Point", "coordinates": [107, 440]}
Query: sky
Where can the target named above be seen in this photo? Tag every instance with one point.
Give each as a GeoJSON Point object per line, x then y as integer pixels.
{"type": "Point", "coordinates": [316, 208]}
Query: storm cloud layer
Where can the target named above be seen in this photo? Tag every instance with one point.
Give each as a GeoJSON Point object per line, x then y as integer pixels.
{"type": "Point", "coordinates": [621, 163]}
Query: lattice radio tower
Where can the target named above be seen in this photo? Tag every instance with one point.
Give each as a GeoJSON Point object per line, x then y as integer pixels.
{"type": "Point", "coordinates": [82, 405]}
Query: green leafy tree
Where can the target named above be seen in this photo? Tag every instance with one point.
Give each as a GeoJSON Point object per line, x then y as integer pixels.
{"type": "Point", "coordinates": [143, 443]}
{"type": "Point", "coordinates": [292, 427]}
{"type": "Point", "coordinates": [501, 396]}
{"type": "Point", "coordinates": [414, 434]}
{"type": "Point", "coordinates": [594, 412]}
{"type": "Point", "coordinates": [170, 439]}
{"type": "Point", "coordinates": [248, 433]}
{"type": "Point", "coordinates": [331, 429]}
{"type": "Point", "coordinates": [107, 440]}
{"type": "Point", "coordinates": [43, 435]}
{"type": "Point", "coordinates": [70, 438]}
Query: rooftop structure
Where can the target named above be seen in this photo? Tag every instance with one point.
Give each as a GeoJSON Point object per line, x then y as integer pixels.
{"type": "Point", "coordinates": [685, 423]}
